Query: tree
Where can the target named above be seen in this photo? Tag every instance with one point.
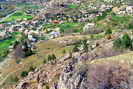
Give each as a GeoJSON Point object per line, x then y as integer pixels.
{"type": "Point", "coordinates": [27, 49]}
{"type": "Point", "coordinates": [22, 50]}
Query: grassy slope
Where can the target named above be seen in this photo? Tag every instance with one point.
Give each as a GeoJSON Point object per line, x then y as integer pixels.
{"type": "Point", "coordinates": [67, 27]}
{"type": "Point", "coordinates": [44, 49]}
{"type": "Point", "coordinates": [127, 57]}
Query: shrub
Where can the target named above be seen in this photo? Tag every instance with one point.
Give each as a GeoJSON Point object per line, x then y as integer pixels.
{"type": "Point", "coordinates": [64, 51]}
{"type": "Point", "coordinates": [130, 26]}
{"type": "Point", "coordinates": [117, 43]}
{"type": "Point", "coordinates": [75, 49]}
{"type": "Point", "coordinates": [124, 42]}
{"type": "Point", "coordinates": [32, 68]}
{"type": "Point", "coordinates": [44, 61]}
{"type": "Point", "coordinates": [46, 87]}
{"type": "Point", "coordinates": [24, 73]}
{"type": "Point", "coordinates": [18, 61]}
{"type": "Point", "coordinates": [85, 45]}
{"type": "Point", "coordinates": [108, 31]}
{"type": "Point", "coordinates": [51, 57]}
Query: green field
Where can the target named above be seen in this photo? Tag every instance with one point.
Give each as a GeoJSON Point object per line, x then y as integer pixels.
{"type": "Point", "coordinates": [67, 27]}
{"type": "Point", "coordinates": [18, 15]}
{"type": "Point", "coordinates": [74, 27]}
{"type": "Point", "coordinates": [4, 46]}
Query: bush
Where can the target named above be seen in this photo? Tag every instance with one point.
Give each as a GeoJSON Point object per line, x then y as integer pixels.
{"type": "Point", "coordinates": [124, 42]}
{"type": "Point", "coordinates": [130, 26]}
{"type": "Point", "coordinates": [32, 68]}
{"type": "Point", "coordinates": [44, 61]}
{"type": "Point", "coordinates": [117, 43]}
{"type": "Point", "coordinates": [85, 45]}
{"type": "Point", "coordinates": [24, 73]}
{"type": "Point", "coordinates": [64, 51]}
{"type": "Point", "coordinates": [75, 49]}
{"type": "Point", "coordinates": [51, 57]}
{"type": "Point", "coordinates": [108, 31]}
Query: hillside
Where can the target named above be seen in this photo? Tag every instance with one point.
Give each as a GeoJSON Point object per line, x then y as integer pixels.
{"type": "Point", "coordinates": [66, 44]}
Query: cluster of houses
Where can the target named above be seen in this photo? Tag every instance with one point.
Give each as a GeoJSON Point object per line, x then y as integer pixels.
{"type": "Point", "coordinates": [113, 1]}
{"type": "Point", "coordinates": [60, 17]}
{"type": "Point", "coordinates": [124, 10]}
{"type": "Point", "coordinates": [34, 28]}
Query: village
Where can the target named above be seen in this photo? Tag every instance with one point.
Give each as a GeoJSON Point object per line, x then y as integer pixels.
{"type": "Point", "coordinates": [36, 29]}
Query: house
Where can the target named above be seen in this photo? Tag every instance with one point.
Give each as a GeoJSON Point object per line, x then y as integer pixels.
{"type": "Point", "coordinates": [56, 21]}
{"type": "Point", "coordinates": [54, 34]}
{"type": "Point", "coordinates": [2, 34]}
{"type": "Point", "coordinates": [1, 26]}
{"type": "Point", "coordinates": [88, 27]}
{"type": "Point", "coordinates": [129, 9]}
{"type": "Point", "coordinates": [31, 38]}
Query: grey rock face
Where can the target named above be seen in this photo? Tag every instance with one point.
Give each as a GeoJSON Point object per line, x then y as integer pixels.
{"type": "Point", "coordinates": [72, 77]}
{"type": "Point", "coordinates": [77, 75]}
